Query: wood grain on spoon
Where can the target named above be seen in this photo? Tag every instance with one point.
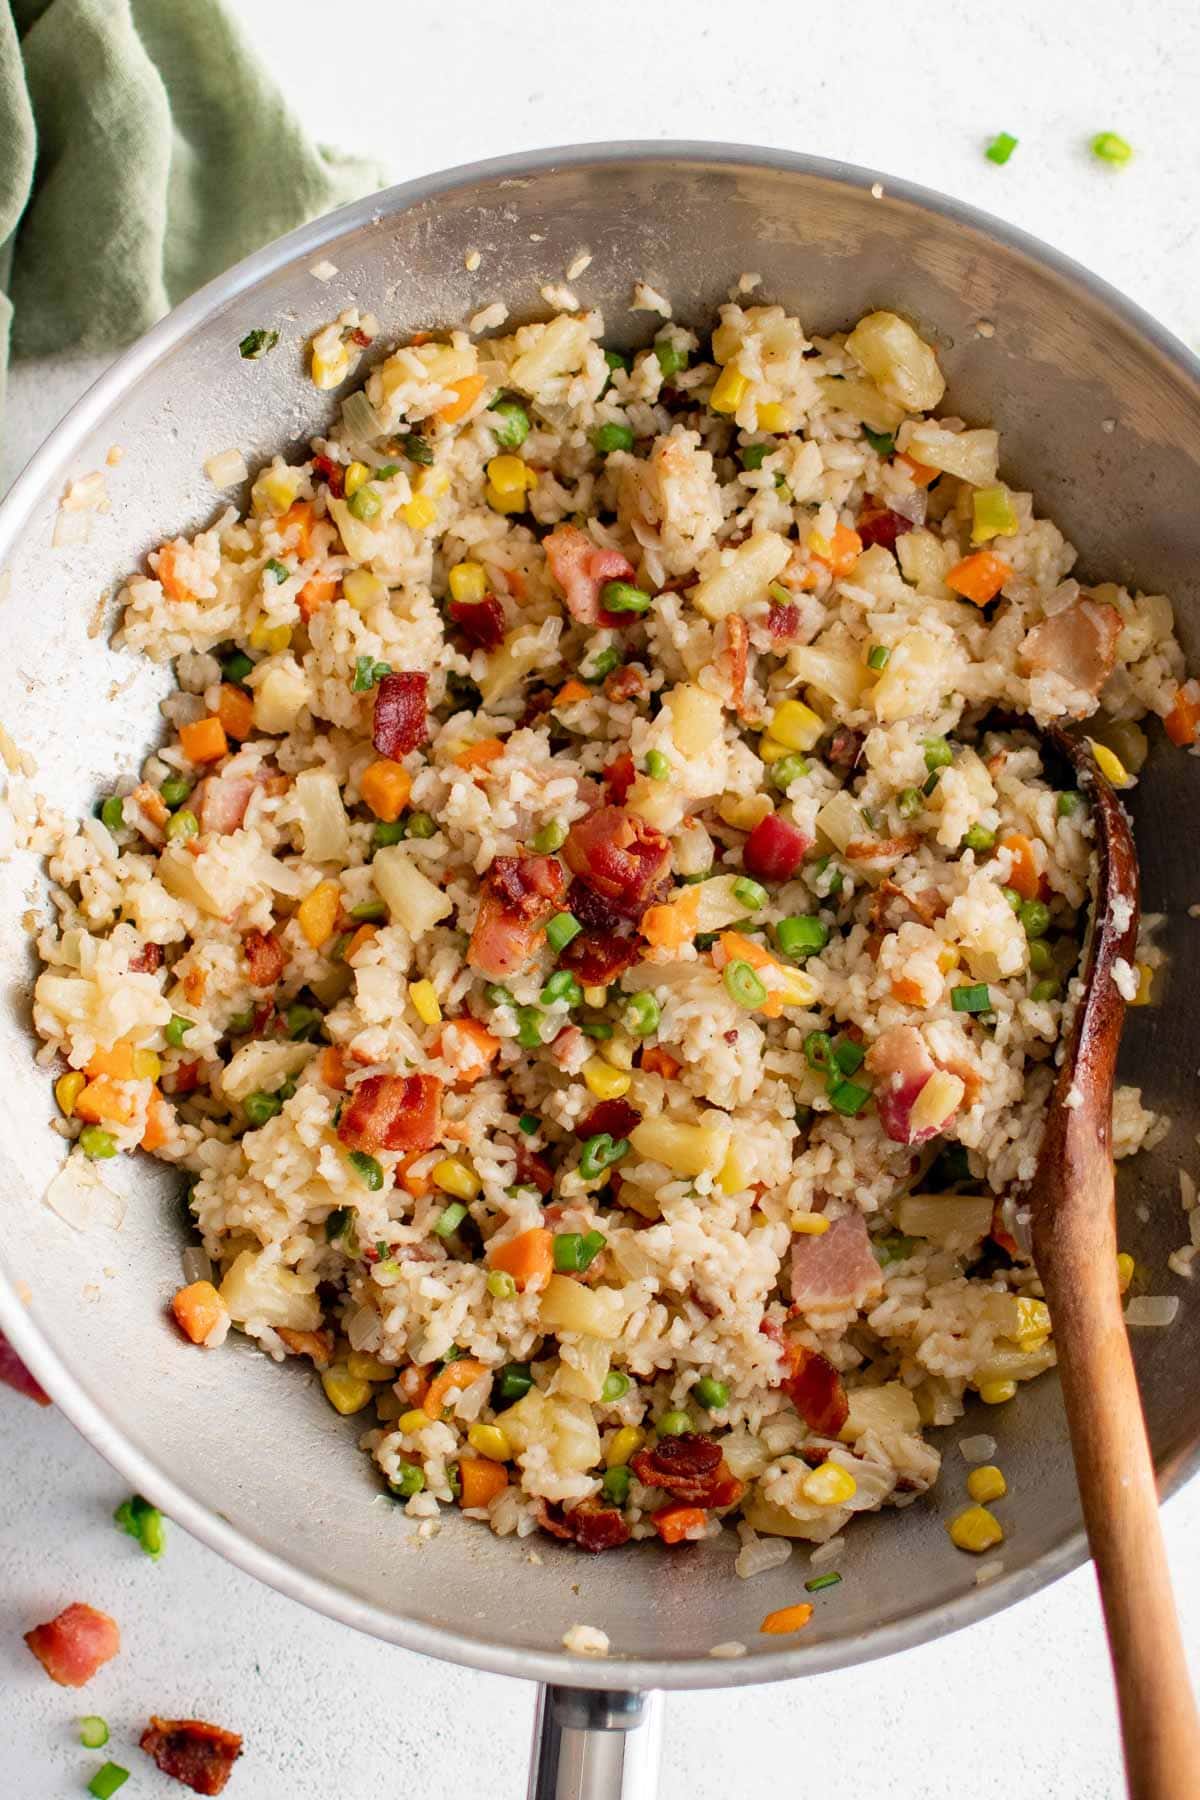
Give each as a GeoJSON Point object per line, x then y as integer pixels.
{"type": "Point", "coordinates": [1075, 1246]}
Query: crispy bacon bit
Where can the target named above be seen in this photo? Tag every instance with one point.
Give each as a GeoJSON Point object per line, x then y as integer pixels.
{"type": "Point", "coordinates": [221, 802]}
{"type": "Point", "coordinates": [691, 1468]}
{"type": "Point", "coordinates": [878, 524]}
{"type": "Point", "coordinates": [393, 1112]}
{"type": "Point", "coordinates": [837, 1269]}
{"type": "Point", "coordinates": [901, 1065]}
{"type": "Point", "coordinates": [893, 906]}
{"type": "Point", "coordinates": [620, 857]}
{"type": "Point", "coordinates": [1079, 643]}
{"type": "Point", "coordinates": [596, 959]}
{"type": "Point", "coordinates": [14, 1374]}
{"type": "Point", "coordinates": [815, 1389]}
{"type": "Point", "coordinates": [264, 958]}
{"type": "Point", "coordinates": [1000, 1234]}
{"type": "Point", "coordinates": [619, 776]}
{"type": "Point", "coordinates": [317, 1345]}
{"type": "Point", "coordinates": [480, 621]}
{"type": "Point", "coordinates": [845, 748]}
{"type": "Point", "coordinates": [148, 959]}
{"type": "Point", "coordinates": [733, 656]}
{"type": "Point", "coordinates": [775, 848]}
{"type": "Point", "coordinates": [332, 474]}
{"type": "Point", "coordinates": [359, 336]}
{"type": "Point", "coordinates": [185, 1080]}
{"type": "Point", "coordinates": [616, 1117]}
{"type": "Point", "coordinates": [520, 893]}
{"type": "Point", "coordinates": [592, 910]}
{"type": "Point", "coordinates": [784, 623]}
{"type": "Point", "coordinates": [581, 570]}
{"type": "Point", "coordinates": [624, 683]}
{"type": "Point", "coordinates": [72, 1646]}
{"type": "Point", "coordinates": [199, 1755]}
{"type": "Point", "coordinates": [591, 1525]}
{"type": "Point", "coordinates": [881, 849]}
{"type": "Point", "coordinates": [401, 704]}
{"type": "Point", "coordinates": [533, 1170]}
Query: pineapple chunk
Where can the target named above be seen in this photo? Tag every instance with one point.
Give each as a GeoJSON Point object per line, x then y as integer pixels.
{"type": "Point", "coordinates": [862, 400]}
{"type": "Point", "coordinates": [913, 679]}
{"type": "Point", "coordinates": [567, 1305]}
{"type": "Point", "coordinates": [695, 718]}
{"type": "Point", "coordinates": [268, 1294]}
{"type": "Point", "coordinates": [565, 1427]}
{"type": "Point", "coordinates": [974, 456]}
{"type": "Point", "coordinates": [686, 1149]}
{"type": "Point", "coordinates": [886, 1410]}
{"type": "Point", "coordinates": [954, 1221]}
{"type": "Point", "coordinates": [901, 363]}
{"type": "Point", "coordinates": [412, 899]}
{"type": "Point", "coordinates": [839, 674]}
{"type": "Point", "coordinates": [737, 578]}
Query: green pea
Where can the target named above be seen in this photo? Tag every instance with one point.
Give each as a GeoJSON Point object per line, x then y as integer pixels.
{"type": "Point", "coordinates": [754, 455]}
{"type": "Point", "coordinates": [365, 503]}
{"type": "Point", "coordinates": [182, 825]}
{"type": "Point", "coordinates": [421, 825]}
{"type": "Point", "coordinates": [1035, 918]}
{"type": "Point", "coordinates": [550, 838]}
{"type": "Point", "coordinates": [789, 769]}
{"type": "Point", "coordinates": [1041, 958]}
{"type": "Point", "coordinates": [112, 812]}
{"type": "Point", "coordinates": [1068, 804]}
{"type": "Point", "coordinates": [175, 790]}
{"type": "Point", "coordinates": [1044, 990]}
{"type": "Point", "coordinates": [711, 1394]}
{"type": "Point", "coordinates": [979, 838]}
{"type": "Point", "coordinates": [98, 1145]}
{"type": "Point", "coordinates": [385, 832]}
{"type": "Point", "coordinates": [616, 1386]}
{"type": "Point", "coordinates": [562, 985]}
{"type": "Point", "coordinates": [674, 1424]}
{"type": "Point", "coordinates": [641, 1015]}
{"type": "Point", "coordinates": [658, 768]}
{"type": "Point", "coordinates": [610, 437]}
{"type": "Point", "coordinates": [616, 1483]}
{"type": "Point", "coordinates": [672, 357]}
{"type": "Point", "coordinates": [511, 424]}
{"type": "Point", "coordinates": [938, 753]}
{"type": "Point", "coordinates": [408, 1480]}
{"type": "Point", "coordinates": [175, 1029]}
{"type": "Point", "coordinates": [259, 1107]}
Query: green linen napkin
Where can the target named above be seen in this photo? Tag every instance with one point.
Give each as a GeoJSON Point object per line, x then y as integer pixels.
{"type": "Point", "coordinates": [143, 149]}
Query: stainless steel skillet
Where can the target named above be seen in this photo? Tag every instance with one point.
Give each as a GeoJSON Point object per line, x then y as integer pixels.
{"type": "Point", "coordinates": [1100, 411]}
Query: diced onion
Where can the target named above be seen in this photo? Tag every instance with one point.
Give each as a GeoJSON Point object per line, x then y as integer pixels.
{"type": "Point", "coordinates": [196, 1264]}
{"type": "Point", "coordinates": [360, 422]}
{"type": "Point", "coordinates": [227, 468]}
{"type": "Point", "coordinates": [1152, 1309]}
{"type": "Point", "coordinates": [979, 1449]}
{"type": "Point", "coordinates": [759, 1554]}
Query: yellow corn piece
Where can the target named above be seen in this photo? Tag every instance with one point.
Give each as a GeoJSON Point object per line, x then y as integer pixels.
{"type": "Point", "coordinates": [67, 1090]}
{"type": "Point", "coordinates": [829, 1485]}
{"type": "Point", "coordinates": [976, 1530]}
{"type": "Point", "coordinates": [420, 512]}
{"type": "Point", "coordinates": [771, 416]}
{"type": "Point", "coordinates": [362, 589]}
{"type": "Point", "coordinates": [771, 751]}
{"type": "Point", "coordinates": [595, 996]}
{"type": "Point", "coordinates": [1109, 764]}
{"type": "Point", "coordinates": [795, 725]}
{"type": "Point", "coordinates": [1033, 1324]}
{"type": "Point", "coordinates": [818, 544]}
{"type": "Point", "coordinates": [810, 1224]}
{"type": "Point", "coordinates": [355, 476]}
{"type": "Point", "coordinates": [423, 995]}
{"type": "Point", "coordinates": [995, 1393]}
{"type": "Point", "coordinates": [369, 1368]}
{"type": "Point", "coordinates": [490, 1441]}
{"type": "Point", "coordinates": [744, 811]}
{"type": "Point", "coordinates": [986, 1483]}
{"type": "Point", "coordinates": [416, 1420]}
{"type": "Point", "coordinates": [270, 637]}
{"type": "Point", "coordinates": [147, 1065]}
{"type": "Point", "coordinates": [1125, 1262]}
{"type": "Point", "coordinates": [317, 913]}
{"type": "Point", "coordinates": [504, 502]}
{"type": "Point", "coordinates": [468, 583]}
{"type": "Point", "coordinates": [617, 1051]}
{"type": "Point", "coordinates": [456, 1177]}
{"type": "Point", "coordinates": [345, 1392]}
{"type": "Point", "coordinates": [735, 1170]}
{"type": "Point", "coordinates": [797, 988]}
{"type": "Point", "coordinates": [729, 391]}
{"type": "Point", "coordinates": [509, 475]}
{"type": "Point", "coordinates": [622, 1445]}
{"type": "Point", "coordinates": [948, 957]}
{"type": "Point", "coordinates": [1145, 986]}
{"type": "Point", "coordinates": [327, 372]}
{"type": "Point", "coordinates": [278, 489]}
{"type": "Point", "coordinates": [434, 482]}
{"type": "Point", "coordinates": [605, 1082]}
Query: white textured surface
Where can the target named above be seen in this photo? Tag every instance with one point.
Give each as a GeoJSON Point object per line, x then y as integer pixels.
{"type": "Point", "coordinates": [1018, 1706]}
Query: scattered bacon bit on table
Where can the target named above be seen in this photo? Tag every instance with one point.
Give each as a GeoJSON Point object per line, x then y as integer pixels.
{"type": "Point", "coordinates": [519, 894]}
{"type": "Point", "coordinates": [74, 1644]}
{"type": "Point", "coordinates": [393, 1112]}
{"type": "Point", "coordinates": [264, 958]}
{"type": "Point", "coordinates": [14, 1374]}
{"type": "Point", "coordinates": [837, 1268]}
{"type": "Point", "coordinates": [581, 569]}
{"type": "Point", "coordinates": [619, 857]}
{"type": "Point", "coordinates": [814, 1388]}
{"type": "Point", "coordinates": [400, 721]}
{"type": "Point", "coordinates": [199, 1755]}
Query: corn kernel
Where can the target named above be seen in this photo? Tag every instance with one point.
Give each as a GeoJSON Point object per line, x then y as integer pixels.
{"type": "Point", "coordinates": [976, 1530]}
{"type": "Point", "coordinates": [328, 371]}
{"type": "Point", "coordinates": [729, 391]}
{"type": "Point", "coordinates": [617, 1051]}
{"type": "Point", "coordinates": [595, 996]}
{"type": "Point", "coordinates": [995, 1393]}
{"type": "Point", "coordinates": [1125, 1262]}
{"type": "Point", "coordinates": [509, 475]}
{"type": "Point", "coordinates": [1145, 986]}
{"type": "Point", "coordinates": [1109, 764]}
{"type": "Point", "coordinates": [362, 589]}
{"type": "Point", "coordinates": [1033, 1324]}
{"type": "Point", "coordinates": [744, 811]}
{"type": "Point", "coordinates": [605, 1082]}
{"type": "Point", "coordinates": [829, 1485]}
{"type": "Point", "coordinates": [345, 1392]}
{"type": "Point", "coordinates": [986, 1483]}
{"type": "Point", "coordinates": [795, 725]}
{"type": "Point", "coordinates": [270, 637]}
{"type": "Point", "coordinates": [771, 416]}
{"type": "Point", "coordinates": [622, 1445]}
{"type": "Point", "coordinates": [818, 544]}
{"type": "Point", "coordinates": [434, 482]}
{"type": "Point", "coordinates": [468, 583]}
{"type": "Point", "coordinates": [147, 1065]}
{"type": "Point", "coordinates": [771, 751]}
{"type": "Point", "coordinates": [810, 1224]}
{"type": "Point", "coordinates": [490, 1441]}
{"type": "Point", "coordinates": [369, 1368]}
{"type": "Point", "coordinates": [420, 512]}
{"type": "Point", "coordinates": [277, 488]}
{"type": "Point", "coordinates": [356, 475]}
{"type": "Point", "coordinates": [502, 502]}
{"type": "Point", "coordinates": [67, 1090]}
{"type": "Point", "coordinates": [797, 988]}
{"type": "Point", "coordinates": [735, 1170]}
{"type": "Point", "coordinates": [423, 995]}
{"type": "Point", "coordinates": [948, 957]}
{"type": "Point", "coordinates": [456, 1177]}
{"type": "Point", "coordinates": [416, 1420]}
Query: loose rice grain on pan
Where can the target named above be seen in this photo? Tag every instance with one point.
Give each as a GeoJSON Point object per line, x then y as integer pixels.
{"type": "Point", "coordinates": [582, 939]}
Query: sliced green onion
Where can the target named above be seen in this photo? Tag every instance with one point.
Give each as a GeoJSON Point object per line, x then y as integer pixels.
{"type": "Point", "coordinates": [711, 1394]}
{"type": "Point", "coordinates": [385, 471]}
{"type": "Point", "coordinates": [416, 449]}
{"type": "Point", "coordinates": [497, 995]}
{"type": "Point", "coordinates": [1001, 147]}
{"type": "Point", "coordinates": [848, 1056]}
{"type": "Point", "coordinates": [754, 455]}
{"type": "Point", "coordinates": [500, 1285]}
{"type": "Point", "coordinates": [848, 1098]}
{"type": "Point", "coordinates": [511, 424]}
{"type": "Point", "coordinates": [338, 1223]}
{"type": "Point", "coordinates": [673, 1424]}
{"type": "Point", "coordinates": [280, 571]}
{"type": "Point", "coordinates": [749, 893]}
{"type": "Point", "coordinates": [182, 825]}
{"type": "Point", "coordinates": [778, 594]}
{"type": "Point", "coordinates": [600, 1153]}
{"type": "Point", "coordinates": [993, 514]}
{"type": "Point", "coordinates": [878, 656]}
{"type": "Point", "coordinates": [561, 929]}
{"type": "Point", "coordinates": [596, 1028]}
{"type": "Point", "coordinates": [138, 1519]}
{"type": "Point", "coordinates": [1013, 898]}
{"type": "Point", "coordinates": [801, 935]}
{"type": "Point", "coordinates": [971, 997]}
{"type": "Point", "coordinates": [259, 1107]}
{"type": "Point", "coordinates": [449, 1219]}
{"type": "Point", "coordinates": [820, 1582]}
{"type": "Point", "coordinates": [110, 1775]}
{"type": "Point", "coordinates": [367, 672]}
{"type": "Point", "coordinates": [568, 1252]}
{"type": "Point", "coordinates": [369, 1172]}
{"type": "Point", "coordinates": [369, 911]}
{"type": "Point", "coordinates": [606, 661]}
{"type": "Point", "coordinates": [818, 1050]}
{"type": "Point", "coordinates": [893, 1247]}
{"type": "Point", "coordinates": [550, 838]}
{"type": "Point", "coordinates": [562, 985]}
{"type": "Point", "coordinates": [882, 442]}
{"type": "Point", "coordinates": [623, 597]}
{"type": "Point", "coordinates": [513, 1382]}
{"type": "Point", "coordinates": [364, 503]}
{"type": "Point", "coordinates": [529, 1027]}
{"type": "Point", "coordinates": [237, 665]}
{"type": "Point", "coordinates": [175, 790]}
{"type": "Point", "coordinates": [616, 1483]}
{"type": "Point", "coordinates": [93, 1732]}
{"type": "Point", "coordinates": [97, 1144]}
{"type": "Point", "coordinates": [672, 357]}
{"type": "Point", "coordinates": [658, 767]}
{"type": "Point", "coordinates": [616, 359]}
{"type": "Point", "coordinates": [909, 802]}
{"type": "Point", "coordinates": [641, 1015]}
{"type": "Point", "coordinates": [610, 437]}
{"type": "Point", "coordinates": [408, 1480]}
{"type": "Point", "coordinates": [616, 1385]}
{"type": "Point", "coordinates": [257, 343]}
{"type": "Point", "coordinates": [938, 754]}
{"type": "Point", "coordinates": [1110, 147]}
{"type": "Point", "coordinates": [742, 984]}
{"type": "Point", "coordinates": [303, 1022]}
{"type": "Point", "coordinates": [175, 1029]}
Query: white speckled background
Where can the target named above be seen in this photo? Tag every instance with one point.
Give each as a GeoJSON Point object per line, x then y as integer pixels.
{"type": "Point", "coordinates": [1020, 1705]}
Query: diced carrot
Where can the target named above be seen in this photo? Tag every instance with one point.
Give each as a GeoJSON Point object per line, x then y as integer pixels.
{"type": "Point", "coordinates": [171, 585]}
{"type": "Point", "coordinates": [299, 518]}
{"type": "Point", "coordinates": [317, 592]}
{"type": "Point", "coordinates": [317, 913]}
{"type": "Point", "coordinates": [657, 1061]}
{"type": "Point", "coordinates": [743, 949]}
{"type": "Point", "coordinates": [1023, 874]}
{"type": "Point", "coordinates": [481, 755]}
{"type": "Point", "coordinates": [151, 803]}
{"type": "Point", "coordinates": [920, 473]}
{"type": "Point", "coordinates": [468, 390]}
{"type": "Point", "coordinates": [905, 989]}
{"type": "Point", "coordinates": [194, 984]}
{"type": "Point", "coordinates": [198, 1309]}
{"type": "Point", "coordinates": [472, 1058]}
{"type": "Point", "coordinates": [204, 740]}
{"type": "Point", "coordinates": [332, 1066]}
{"type": "Point", "coordinates": [116, 1062]}
{"type": "Point", "coordinates": [458, 1374]}
{"type": "Point", "coordinates": [980, 577]}
{"type": "Point", "coordinates": [385, 787]}
{"type": "Point", "coordinates": [416, 1185]}
{"type": "Point", "coordinates": [481, 1479]}
{"type": "Point", "coordinates": [413, 1383]}
{"type": "Point", "coordinates": [515, 582]}
{"type": "Point", "coordinates": [361, 938]}
{"type": "Point", "coordinates": [235, 709]}
{"type": "Point", "coordinates": [102, 1102]}
{"type": "Point", "coordinates": [570, 692]}
{"type": "Point", "coordinates": [787, 1618]}
{"type": "Point", "coordinates": [675, 923]}
{"type": "Point", "coordinates": [1183, 721]}
{"type": "Point", "coordinates": [529, 1258]}
{"type": "Point", "coordinates": [845, 548]}
{"type": "Point", "coordinates": [158, 1122]}
{"type": "Point", "coordinates": [672, 1523]}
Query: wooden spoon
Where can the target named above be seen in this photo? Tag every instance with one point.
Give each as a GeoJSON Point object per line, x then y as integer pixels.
{"type": "Point", "coordinates": [1075, 1247]}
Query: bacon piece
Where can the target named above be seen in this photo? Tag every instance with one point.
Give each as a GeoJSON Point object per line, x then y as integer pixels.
{"type": "Point", "coordinates": [401, 703]}
{"type": "Point", "coordinates": [317, 1345]}
{"type": "Point", "coordinates": [520, 893]}
{"type": "Point", "coordinates": [14, 1374]}
{"type": "Point", "coordinates": [691, 1468]}
{"type": "Point", "coordinates": [901, 1065]}
{"type": "Point", "coordinates": [626, 682]}
{"type": "Point", "coordinates": [591, 1525]}
{"type": "Point", "coordinates": [581, 570]}
{"type": "Point", "coordinates": [815, 1389]}
{"type": "Point", "coordinates": [733, 656]}
{"type": "Point", "coordinates": [393, 1112]}
{"type": "Point", "coordinates": [332, 474]}
{"type": "Point", "coordinates": [616, 1117]}
{"type": "Point", "coordinates": [198, 1755]}
{"type": "Point", "coordinates": [597, 959]}
{"type": "Point", "coordinates": [74, 1644]}
{"type": "Point", "coordinates": [845, 748]}
{"type": "Point", "coordinates": [619, 857]}
{"type": "Point", "coordinates": [533, 1170]}
{"type": "Point", "coordinates": [264, 958]}
{"type": "Point", "coordinates": [881, 849]}
{"type": "Point", "coordinates": [878, 524]}
{"type": "Point", "coordinates": [480, 621]}
{"type": "Point", "coordinates": [221, 802]}
{"type": "Point", "coordinates": [1079, 643]}
{"type": "Point", "coordinates": [784, 623]}
{"type": "Point", "coordinates": [775, 848]}
{"type": "Point", "coordinates": [892, 906]}
{"type": "Point", "coordinates": [619, 776]}
{"type": "Point", "coordinates": [837, 1269]}
{"type": "Point", "coordinates": [148, 959]}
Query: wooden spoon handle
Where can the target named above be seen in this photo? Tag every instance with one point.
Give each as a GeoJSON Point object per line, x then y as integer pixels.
{"type": "Point", "coordinates": [1120, 1505]}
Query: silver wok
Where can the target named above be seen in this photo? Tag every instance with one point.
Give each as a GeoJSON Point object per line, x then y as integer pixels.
{"type": "Point", "coordinates": [1100, 411]}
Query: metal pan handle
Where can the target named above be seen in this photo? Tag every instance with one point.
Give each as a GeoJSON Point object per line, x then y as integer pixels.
{"type": "Point", "coordinates": [595, 1746]}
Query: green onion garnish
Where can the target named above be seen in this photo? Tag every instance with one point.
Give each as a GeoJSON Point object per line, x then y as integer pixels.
{"type": "Point", "coordinates": [973, 997]}
{"type": "Point", "coordinates": [1110, 147]}
{"type": "Point", "coordinates": [742, 984]}
{"type": "Point", "coordinates": [561, 929]}
{"type": "Point", "coordinates": [1001, 148]}
{"type": "Point", "coordinates": [819, 1582]}
{"type": "Point", "coordinates": [257, 343]}
{"type": "Point", "coordinates": [369, 1172]}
